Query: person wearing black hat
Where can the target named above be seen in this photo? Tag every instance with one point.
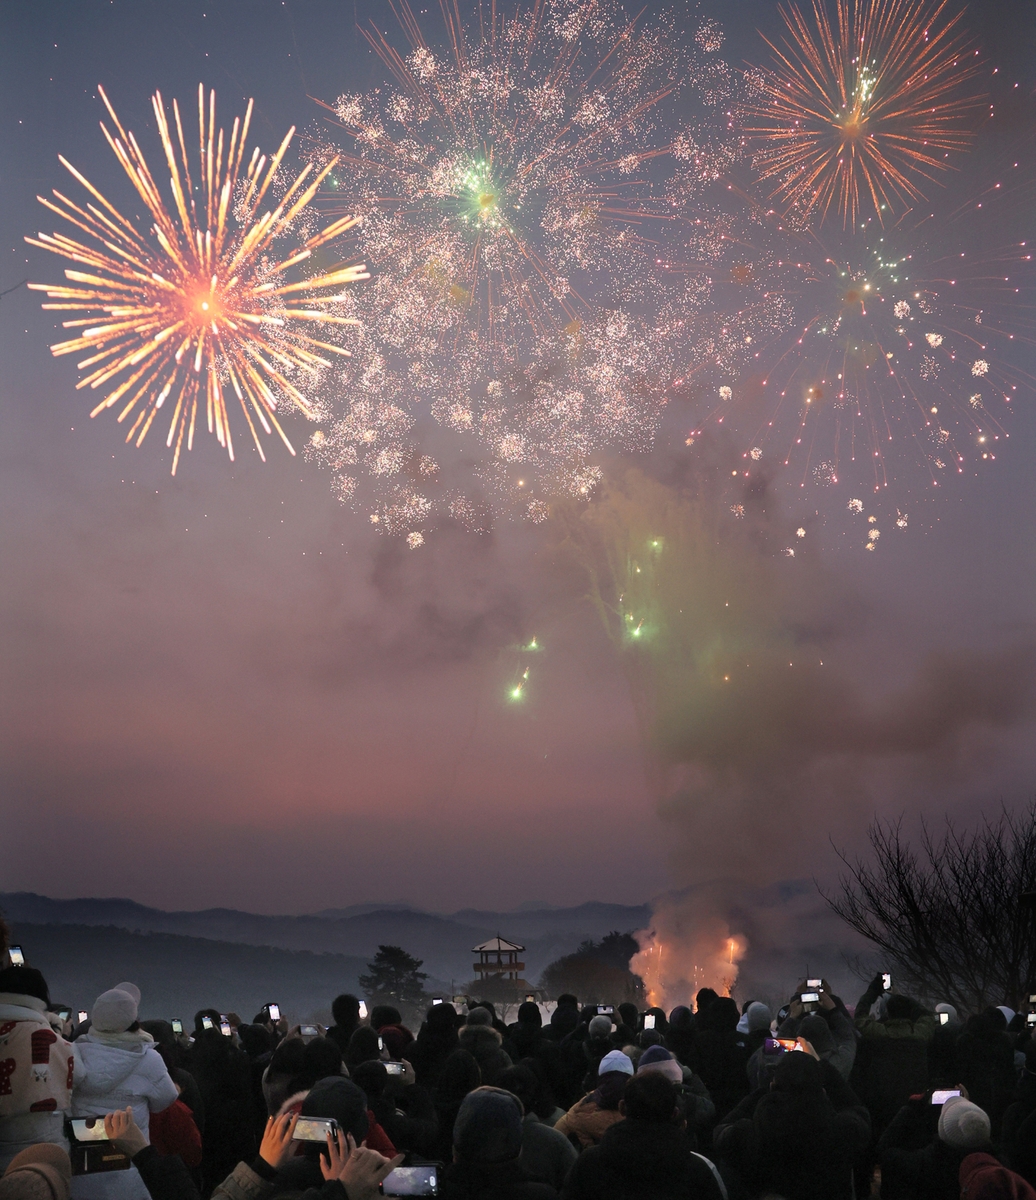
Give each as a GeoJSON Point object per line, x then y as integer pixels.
{"type": "Point", "coordinates": [35, 1066]}
{"type": "Point", "coordinates": [487, 1144]}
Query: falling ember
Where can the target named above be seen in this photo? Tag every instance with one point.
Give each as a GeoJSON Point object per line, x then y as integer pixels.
{"type": "Point", "coordinates": [199, 308]}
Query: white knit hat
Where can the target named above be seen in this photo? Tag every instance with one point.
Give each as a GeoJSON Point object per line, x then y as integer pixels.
{"type": "Point", "coordinates": [615, 1060]}
{"type": "Point", "coordinates": [114, 1011]}
{"type": "Point", "coordinates": [963, 1125]}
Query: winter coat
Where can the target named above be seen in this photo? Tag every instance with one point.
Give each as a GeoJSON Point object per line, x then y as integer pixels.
{"type": "Point", "coordinates": [547, 1155]}
{"type": "Point", "coordinates": [111, 1072]}
{"type": "Point", "coordinates": [985, 1065]}
{"type": "Point", "coordinates": [639, 1160]}
{"type": "Point", "coordinates": [491, 1181]}
{"type": "Point", "coordinates": [801, 1148]}
{"type": "Point", "coordinates": [1018, 1134]}
{"type": "Point", "coordinates": [36, 1070]}
{"type": "Point", "coordinates": [486, 1045]}
{"type": "Point", "coordinates": [891, 1064]}
{"type": "Point", "coordinates": [843, 1054]}
{"type": "Point", "coordinates": [165, 1176]}
{"type": "Point", "coordinates": [173, 1131]}
{"type": "Point", "coordinates": [587, 1121]}
{"type": "Point", "coordinates": [928, 1172]}
{"type": "Point", "coordinates": [224, 1076]}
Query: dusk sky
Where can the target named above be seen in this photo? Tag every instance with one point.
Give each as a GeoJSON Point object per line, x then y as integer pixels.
{"type": "Point", "coordinates": [227, 689]}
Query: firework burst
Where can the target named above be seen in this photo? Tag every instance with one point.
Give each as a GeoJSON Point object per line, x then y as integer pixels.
{"type": "Point", "coordinates": [199, 309]}
{"type": "Point", "coordinates": [862, 112]}
{"type": "Point", "coordinates": [514, 189]}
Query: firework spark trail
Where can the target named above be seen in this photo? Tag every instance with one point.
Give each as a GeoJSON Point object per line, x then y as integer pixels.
{"type": "Point", "coordinates": [512, 186]}
{"type": "Point", "coordinates": [199, 305]}
{"type": "Point", "coordinates": [864, 111]}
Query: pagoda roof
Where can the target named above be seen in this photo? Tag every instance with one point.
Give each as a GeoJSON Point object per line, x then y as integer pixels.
{"type": "Point", "coordinates": [497, 943]}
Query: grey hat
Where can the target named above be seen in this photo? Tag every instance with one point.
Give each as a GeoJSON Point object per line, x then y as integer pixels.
{"type": "Point", "coordinates": [488, 1128]}
{"type": "Point", "coordinates": [600, 1026]}
{"type": "Point", "coordinates": [114, 1011]}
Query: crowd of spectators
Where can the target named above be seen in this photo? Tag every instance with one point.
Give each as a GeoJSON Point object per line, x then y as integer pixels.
{"type": "Point", "coordinates": [814, 1102]}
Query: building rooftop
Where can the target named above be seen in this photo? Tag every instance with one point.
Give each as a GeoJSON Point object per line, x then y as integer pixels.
{"type": "Point", "coordinates": [497, 943]}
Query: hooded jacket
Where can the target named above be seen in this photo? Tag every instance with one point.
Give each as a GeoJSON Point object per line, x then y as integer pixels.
{"type": "Point", "coordinates": [641, 1160]}
{"type": "Point", "coordinates": [36, 1069]}
{"type": "Point", "coordinates": [485, 1044]}
{"type": "Point", "coordinates": [113, 1071]}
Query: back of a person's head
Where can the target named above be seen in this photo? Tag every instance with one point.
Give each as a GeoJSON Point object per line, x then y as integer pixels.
{"type": "Point", "coordinates": [289, 1058]}
{"type": "Point", "coordinates": [39, 1172]}
{"type": "Point", "coordinates": [161, 1031]}
{"type": "Point", "coordinates": [996, 1017]}
{"type": "Point", "coordinates": [721, 1015]}
{"type": "Point", "coordinates": [214, 1017]}
{"type": "Point", "coordinates": [25, 981]}
{"type": "Point", "coordinates": [649, 1037]}
{"type": "Point", "coordinates": [818, 1033]}
{"type": "Point", "coordinates": [520, 1082]}
{"type": "Point", "coordinates": [488, 1128]}
{"type": "Point", "coordinates": [441, 1020]}
{"type": "Point", "coordinates": [681, 1019]}
{"type": "Point", "coordinates": [661, 1020]}
{"type": "Point", "coordinates": [529, 1014]}
{"type": "Point", "coordinates": [479, 1016]}
{"type": "Point", "coordinates": [385, 1014]}
{"type": "Point", "coordinates": [600, 1027]}
{"type": "Point", "coordinates": [567, 1000]}
{"type": "Point", "coordinates": [460, 1074]}
{"type": "Point", "coordinates": [758, 1016]}
{"type": "Point", "coordinates": [704, 998]}
{"type": "Point", "coordinates": [363, 1046]}
{"type": "Point", "coordinates": [963, 1125]}
{"type": "Point", "coordinates": [799, 1074]}
{"type": "Point", "coordinates": [321, 1058]}
{"type": "Point", "coordinates": [899, 1008]}
{"type": "Point", "coordinates": [256, 1040]}
{"type": "Point", "coordinates": [629, 1014]}
{"type": "Point", "coordinates": [650, 1097]}
{"type": "Point", "coordinates": [372, 1078]}
{"type": "Point", "coordinates": [346, 1010]}
{"type": "Point", "coordinates": [983, 1177]}
{"type": "Point", "coordinates": [342, 1099]}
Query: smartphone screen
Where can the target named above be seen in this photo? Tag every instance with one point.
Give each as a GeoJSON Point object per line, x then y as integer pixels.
{"type": "Point", "coordinates": [224, 1027]}
{"type": "Point", "coordinates": [17, 957]}
{"type": "Point", "coordinates": [363, 1010]}
{"type": "Point", "coordinates": [941, 1097]}
{"type": "Point", "coordinates": [886, 981]}
{"type": "Point", "coordinates": [1031, 1019]}
{"type": "Point", "coordinates": [177, 1025]}
{"type": "Point", "coordinates": [437, 1000]}
{"type": "Point", "coordinates": [381, 1045]}
{"type": "Point", "coordinates": [65, 1014]}
{"type": "Point", "coordinates": [394, 1068]}
{"type": "Point", "coordinates": [206, 1023]}
{"type": "Point", "coordinates": [309, 1030]}
{"type": "Point", "coordinates": [944, 1018]}
{"type": "Point", "coordinates": [814, 983]}
{"type": "Point", "coordinates": [530, 998]}
{"type": "Point", "coordinates": [810, 997]}
{"type": "Point", "coordinates": [605, 1010]}
{"type": "Point", "coordinates": [788, 1044]}
{"type": "Point", "coordinates": [411, 1181]}
{"type": "Point", "coordinates": [315, 1129]}
{"type": "Point", "coordinates": [275, 1011]}
{"type": "Point", "coordinates": [83, 1014]}
{"type": "Point", "coordinates": [649, 1020]}
{"type": "Point", "coordinates": [90, 1129]}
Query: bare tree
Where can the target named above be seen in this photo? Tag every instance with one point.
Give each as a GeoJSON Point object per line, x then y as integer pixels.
{"type": "Point", "coordinates": [950, 915]}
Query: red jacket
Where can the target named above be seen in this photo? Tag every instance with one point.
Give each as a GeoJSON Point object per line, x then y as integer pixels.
{"type": "Point", "coordinates": [173, 1131]}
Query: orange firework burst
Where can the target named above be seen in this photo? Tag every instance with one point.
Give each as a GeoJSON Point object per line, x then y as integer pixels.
{"type": "Point", "coordinates": [864, 112]}
{"type": "Point", "coordinates": [199, 307]}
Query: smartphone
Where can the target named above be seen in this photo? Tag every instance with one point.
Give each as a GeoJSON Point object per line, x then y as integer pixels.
{"type": "Point", "coordinates": [412, 1181]}
{"type": "Point", "coordinates": [530, 998]}
{"type": "Point", "coordinates": [363, 1010]}
{"type": "Point", "coordinates": [886, 981]}
{"type": "Point", "coordinates": [89, 1129]}
{"type": "Point", "coordinates": [814, 983]}
{"type": "Point", "coordinates": [436, 1000]}
{"type": "Point", "coordinates": [17, 957]}
{"type": "Point", "coordinates": [649, 1020]}
{"type": "Point", "coordinates": [65, 1014]}
{"type": "Point", "coordinates": [206, 1023]}
{"type": "Point", "coordinates": [309, 1030]}
{"type": "Point", "coordinates": [275, 1011]}
{"type": "Point", "coordinates": [224, 1027]}
{"type": "Point", "coordinates": [315, 1129]}
{"type": "Point", "coordinates": [810, 997]}
{"type": "Point", "coordinates": [177, 1025]}
{"type": "Point", "coordinates": [381, 1044]}
{"type": "Point", "coordinates": [1030, 1019]}
{"type": "Point", "coordinates": [83, 1015]}
{"type": "Point", "coordinates": [605, 1010]}
{"type": "Point", "coordinates": [1032, 999]}
{"type": "Point", "coordinates": [394, 1068]}
{"type": "Point", "coordinates": [940, 1097]}
{"type": "Point", "coordinates": [788, 1044]}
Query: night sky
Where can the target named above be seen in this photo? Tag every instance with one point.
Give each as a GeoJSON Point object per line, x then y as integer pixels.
{"type": "Point", "coordinates": [226, 689]}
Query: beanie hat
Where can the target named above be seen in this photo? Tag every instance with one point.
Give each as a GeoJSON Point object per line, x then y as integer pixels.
{"type": "Point", "coordinates": [600, 1026]}
{"type": "Point", "coordinates": [963, 1125]}
{"type": "Point", "coordinates": [340, 1098]}
{"type": "Point", "coordinates": [130, 989]}
{"type": "Point", "coordinates": [25, 981]}
{"type": "Point", "coordinates": [114, 1011]}
{"type": "Point", "coordinates": [479, 1016]}
{"type": "Point", "coordinates": [758, 1016]}
{"type": "Point", "coordinates": [817, 1032]}
{"type": "Point", "coordinates": [615, 1060]}
{"type": "Point", "coordinates": [488, 1128]}
{"type": "Point", "coordinates": [658, 1058]}
{"type": "Point", "coordinates": [40, 1172]}
{"type": "Point", "coordinates": [529, 1014]}
{"type": "Point", "coordinates": [982, 1177]}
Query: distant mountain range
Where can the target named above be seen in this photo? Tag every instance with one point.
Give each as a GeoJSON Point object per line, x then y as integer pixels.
{"type": "Point", "coordinates": [234, 960]}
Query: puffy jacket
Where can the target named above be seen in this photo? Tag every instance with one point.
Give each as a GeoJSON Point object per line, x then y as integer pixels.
{"type": "Point", "coordinates": [36, 1069]}
{"type": "Point", "coordinates": [111, 1072]}
{"type": "Point", "coordinates": [639, 1160]}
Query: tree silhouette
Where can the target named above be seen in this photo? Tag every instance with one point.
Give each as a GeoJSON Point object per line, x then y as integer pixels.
{"type": "Point", "coordinates": [394, 977]}
{"type": "Point", "coordinates": [952, 916]}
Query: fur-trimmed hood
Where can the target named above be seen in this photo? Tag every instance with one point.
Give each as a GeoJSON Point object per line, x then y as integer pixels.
{"type": "Point", "coordinates": [478, 1039]}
